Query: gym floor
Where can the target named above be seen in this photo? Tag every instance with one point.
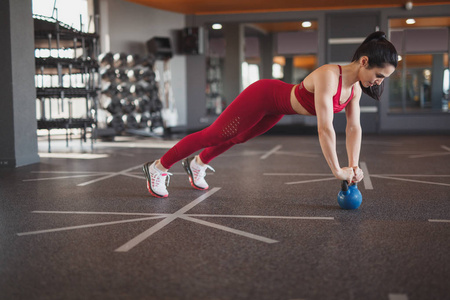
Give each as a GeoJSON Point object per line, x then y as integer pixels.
{"type": "Point", "coordinates": [81, 224]}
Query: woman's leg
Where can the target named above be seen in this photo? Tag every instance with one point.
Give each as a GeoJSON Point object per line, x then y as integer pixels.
{"type": "Point", "coordinates": [258, 108]}
{"type": "Point", "coordinates": [246, 111]}
{"type": "Point", "coordinates": [197, 170]}
{"type": "Point", "coordinates": [261, 127]}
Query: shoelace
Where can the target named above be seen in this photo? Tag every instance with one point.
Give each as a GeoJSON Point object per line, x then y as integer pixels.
{"type": "Point", "coordinates": [201, 172]}
{"type": "Point", "coordinates": [157, 177]}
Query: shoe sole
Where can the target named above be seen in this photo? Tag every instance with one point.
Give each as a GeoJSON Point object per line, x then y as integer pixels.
{"type": "Point", "coordinates": [148, 177]}
{"type": "Point", "coordinates": [187, 167]}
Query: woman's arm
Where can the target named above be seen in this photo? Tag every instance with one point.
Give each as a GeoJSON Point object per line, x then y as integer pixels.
{"type": "Point", "coordinates": [325, 85]}
{"type": "Point", "coordinates": [353, 133]}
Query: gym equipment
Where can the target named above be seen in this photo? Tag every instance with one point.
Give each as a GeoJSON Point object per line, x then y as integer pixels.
{"type": "Point", "coordinates": [133, 60]}
{"type": "Point", "coordinates": [106, 59]}
{"type": "Point", "coordinates": [160, 47]}
{"type": "Point", "coordinates": [128, 105]}
{"type": "Point", "coordinates": [349, 197]}
{"type": "Point", "coordinates": [169, 111]}
{"type": "Point", "coordinates": [67, 78]}
{"type": "Point", "coordinates": [130, 121]}
{"type": "Point", "coordinates": [132, 89]}
{"type": "Point", "coordinates": [192, 40]}
{"type": "Point", "coordinates": [117, 123]}
{"type": "Point", "coordinates": [114, 108]}
{"type": "Point", "coordinates": [120, 60]}
{"type": "Point", "coordinates": [109, 75]}
{"type": "Point", "coordinates": [215, 102]}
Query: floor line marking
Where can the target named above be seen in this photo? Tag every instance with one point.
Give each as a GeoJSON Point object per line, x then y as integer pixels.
{"type": "Point", "coordinates": [323, 174]}
{"type": "Point", "coordinates": [167, 220]}
{"type": "Point", "coordinates": [98, 179]}
{"type": "Point", "coordinates": [159, 144]}
{"type": "Point", "coordinates": [411, 180]}
{"type": "Point", "coordinates": [136, 176]}
{"type": "Point", "coordinates": [69, 172]}
{"type": "Point", "coordinates": [173, 173]}
{"type": "Point", "coordinates": [197, 201]}
{"type": "Point", "coordinates": [366, 180]}
{"type": "Point", "coordinates": [421, 154]}
{"type": "Point", "coordinates": [433, 153]}
{"type": "Point", "coordinates": [164, 215]}
{"type": "Point", "coordinates": [402, 152]}
{"type": "Point", "coordinates": [310, 181]}
{"type": "Point", "coordinates": [96, 213]}
{"type": "Point", "coordinates": [231, 230]}
{"type": "Point", "coordinates": [429, 155]}
{"type": "Point", "coordinates": [144, 235]}
{"type": "Point", "coordinates": [296, 154]}
{"type": "Point", "coordinates": [412, 175]}
{"type": "Point", "coordinates": [87, 226]}
{"type": "Point", "coordinates": [296, 174]}
{"type": "Point", "coordinates": [61, 177]}
{"type": "Point", "coordinates": [398, 297]}
{"type": "Point", "coordinates": [439, 221]}
{"type": "Point", "coordinates": [72, 155]}
{"type": "Point", "coordinates": [260, 217]}
{"type": "Point", "coordinates": [109, 176]}
{"type": "Point", "coordinates": [365, 142]}
{"type": "Point", "coordinates": [275, 149]}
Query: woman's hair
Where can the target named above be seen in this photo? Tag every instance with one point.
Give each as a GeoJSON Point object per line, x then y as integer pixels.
{"type": "Point", "coordinates": [380, 53]}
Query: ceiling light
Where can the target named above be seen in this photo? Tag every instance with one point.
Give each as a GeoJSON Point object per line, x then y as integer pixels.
{"type": "Point", "coordinates": [217, 26]}
{"type": "Point", "coordinates": [400, 58]}
{"type": "Point", "coordinates": [408, 5]}
{"type": "Point", "coordinates": [306, 24]}
{"type": "Point", "coordinates": [410, 21]}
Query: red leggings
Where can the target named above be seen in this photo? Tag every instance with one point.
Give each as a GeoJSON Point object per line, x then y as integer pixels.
{"type": "Point", "coordinates": [257, 109]}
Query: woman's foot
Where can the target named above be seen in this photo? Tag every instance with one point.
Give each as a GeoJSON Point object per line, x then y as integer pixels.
{"type": "Point", "coordinates": [156, 180]}
{"type": "Point", "coordinates": [196, 173]}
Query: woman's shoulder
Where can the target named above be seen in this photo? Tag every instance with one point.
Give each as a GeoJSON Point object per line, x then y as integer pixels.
{"type": "Point", "coordinates": [328, 69]}
{"type": "Point", "coordinates": [328, 73]}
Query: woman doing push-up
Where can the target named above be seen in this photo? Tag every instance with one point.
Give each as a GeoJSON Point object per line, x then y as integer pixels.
{"type": "Point", "coordinates": [326, 91]}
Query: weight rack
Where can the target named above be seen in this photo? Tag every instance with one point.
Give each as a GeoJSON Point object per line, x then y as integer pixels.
{"type": "Point", "coordinates": [66, 74]}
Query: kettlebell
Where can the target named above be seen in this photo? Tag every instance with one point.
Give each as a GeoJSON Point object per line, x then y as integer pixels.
{"type": "Point", "coordinates": [349, 197]}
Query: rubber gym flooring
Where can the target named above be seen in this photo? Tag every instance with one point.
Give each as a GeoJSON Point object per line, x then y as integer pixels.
{"type": "Point", "coordinates": [81, 224]}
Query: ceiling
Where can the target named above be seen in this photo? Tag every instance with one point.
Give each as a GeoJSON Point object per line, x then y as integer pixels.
{"type": "Point", "coordinates": [203, 7]}
{"type": "Point", "coordinates": [211, 7]}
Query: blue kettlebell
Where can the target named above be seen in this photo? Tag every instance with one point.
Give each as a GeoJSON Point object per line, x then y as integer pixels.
{"type": "Point", "coordinates": [349, 197]}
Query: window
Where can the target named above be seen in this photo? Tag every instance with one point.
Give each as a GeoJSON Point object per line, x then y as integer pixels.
{"type": "Point", "coordinates": [420, 82]}
{"type": "Point", "coordinates": [73, 13]}
{"type": "Point", "coordinates": [250, 74]}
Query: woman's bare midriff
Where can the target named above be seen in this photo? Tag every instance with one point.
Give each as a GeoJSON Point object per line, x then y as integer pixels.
{"type": "Point", "coordinates": [296, 106]}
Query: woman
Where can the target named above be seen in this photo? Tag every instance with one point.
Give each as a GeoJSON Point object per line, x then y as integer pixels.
{"type": "Point", "coordinates": [326, 91]}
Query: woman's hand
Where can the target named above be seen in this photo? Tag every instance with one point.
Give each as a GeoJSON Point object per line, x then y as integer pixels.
{"type": "Point", "coordinates": [346, 173]}
{"type": "Point", "coordinates": [358, 174]}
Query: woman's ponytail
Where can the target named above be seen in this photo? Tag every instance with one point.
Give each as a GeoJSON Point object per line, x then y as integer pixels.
{"type": "Point", "coordinates": [376, 36]}
{"type": "Point", "coordinates": [380, 52]}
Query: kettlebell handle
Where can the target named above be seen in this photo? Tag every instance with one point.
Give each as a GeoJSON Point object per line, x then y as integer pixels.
{"type": "Point", "coordinates": [344, 186]}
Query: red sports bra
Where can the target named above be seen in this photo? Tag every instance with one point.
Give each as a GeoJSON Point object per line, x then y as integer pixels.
{"type": "Point", "coordinates": [306, 98]}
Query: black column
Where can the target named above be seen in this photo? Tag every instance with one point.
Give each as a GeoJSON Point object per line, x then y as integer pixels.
{"type": "Point", "coordinates": [18, 138]}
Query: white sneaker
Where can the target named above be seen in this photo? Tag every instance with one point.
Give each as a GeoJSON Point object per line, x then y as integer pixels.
{"type": "Point", "coordinates": [196, 173]}
{"type": "Point", "coordinates": [156, 180]}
